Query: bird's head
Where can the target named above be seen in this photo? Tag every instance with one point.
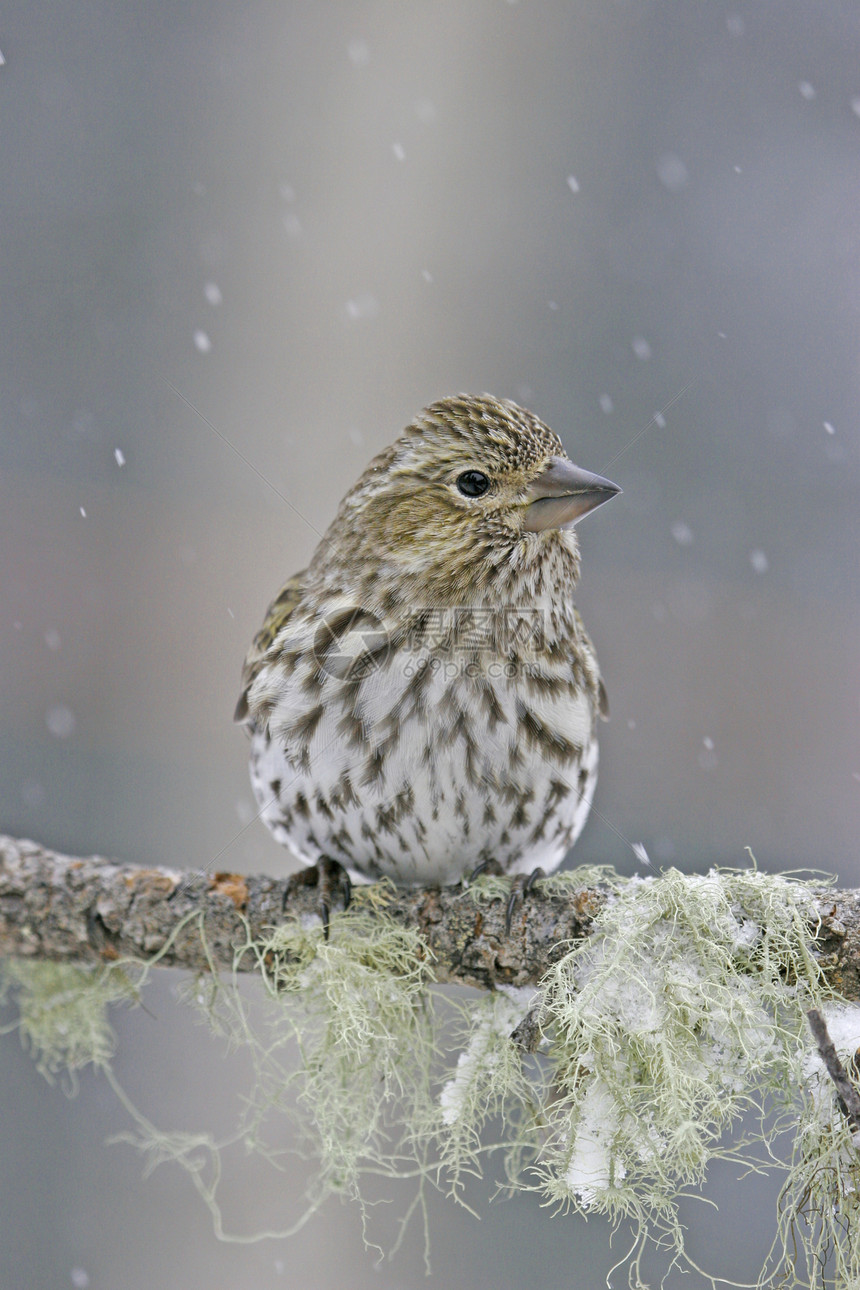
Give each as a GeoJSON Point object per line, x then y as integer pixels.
{"type": "Point", "coordinates": [474, 482]}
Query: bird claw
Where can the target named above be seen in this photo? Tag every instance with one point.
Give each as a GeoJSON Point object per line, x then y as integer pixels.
{"type": "Point", "coordinates": [521, 885]}
{"type": "Point", "coordinates": [331, 879]}
{"type": "Point", "coordinates": [484, 866]}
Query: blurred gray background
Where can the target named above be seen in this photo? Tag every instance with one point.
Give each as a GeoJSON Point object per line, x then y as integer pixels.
{"type": "Point", "coordinates": [240, 246]}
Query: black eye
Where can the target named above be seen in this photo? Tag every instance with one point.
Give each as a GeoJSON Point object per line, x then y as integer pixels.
{"type": "Point", "coordinates": [472, 483]}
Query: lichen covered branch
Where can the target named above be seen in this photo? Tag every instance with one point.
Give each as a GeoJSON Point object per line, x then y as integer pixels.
{"type": "Point", "coordinates": [849, 1099]}
{"type": "Point", "coordinates": [90, 909]}
{"type": "Point", "coordinates": [669, 1011]}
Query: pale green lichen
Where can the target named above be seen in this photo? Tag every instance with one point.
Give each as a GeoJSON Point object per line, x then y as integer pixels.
{"type": "Point", "coordinates": [819, 1206]}
{"type": "Point", "coordinates": [63, 1012]}
{"type": "Point", "coordinates": [363, 1023]}
{"type": "Point", "coordinates": [679, 1016]}
{"type": "Point", "coordinates": [683, 1012]}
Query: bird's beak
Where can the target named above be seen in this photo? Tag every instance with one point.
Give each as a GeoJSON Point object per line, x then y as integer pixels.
{"type": "Point", "coordinates": [562, 494]}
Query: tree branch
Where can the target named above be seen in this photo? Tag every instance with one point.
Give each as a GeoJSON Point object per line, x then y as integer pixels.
{"type": "Point", "coordinates": [846, 1093]}
{"type": "Point", "coordinates": [90, 909]}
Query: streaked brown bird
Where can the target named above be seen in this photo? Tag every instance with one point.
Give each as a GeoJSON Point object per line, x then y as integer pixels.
{"type": "Point", "coordinates": [423, 699]}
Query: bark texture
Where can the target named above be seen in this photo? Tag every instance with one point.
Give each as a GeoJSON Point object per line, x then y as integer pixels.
{"type": "Point", "coordinates": [90, 909]}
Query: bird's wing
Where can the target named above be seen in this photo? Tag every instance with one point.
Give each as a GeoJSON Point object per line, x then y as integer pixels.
{"type": "Point", "coordinates": [603, 700]}
{"type": "Point", "coordinates": [276, 615]}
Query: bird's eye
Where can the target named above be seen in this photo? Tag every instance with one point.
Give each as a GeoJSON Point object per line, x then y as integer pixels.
{"type": "Point", "coordinates": [472, 483]}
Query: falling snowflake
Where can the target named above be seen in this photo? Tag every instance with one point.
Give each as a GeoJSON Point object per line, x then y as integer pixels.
{"type": "Point", "coordinates": [34, 793]}
{"type": "Point", "coordinates": [362, 307]}
{"type": "Point", "coordinates": [672, 172]}
{"type": "Point", "coordinates": [244, 811]}
{"type": "Point", "coordinates": [60, 721]}
{"type": "Point", "coordinates": [425, 110]}
{"type": "Point", "coordinates": [358, 52]}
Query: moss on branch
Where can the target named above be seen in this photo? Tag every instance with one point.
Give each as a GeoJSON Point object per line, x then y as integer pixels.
{"type": "Point", "coordinates": [95, 910]}
{"type": "Point", "coordinates": [661, 1012]}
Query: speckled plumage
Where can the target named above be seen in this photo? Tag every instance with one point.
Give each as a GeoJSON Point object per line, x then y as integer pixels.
{"type": "Point", "coordinates": [424, 696]}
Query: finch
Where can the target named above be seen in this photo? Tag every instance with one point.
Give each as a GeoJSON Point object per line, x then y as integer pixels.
{"type": "Point", "coordinates": [422, 700]}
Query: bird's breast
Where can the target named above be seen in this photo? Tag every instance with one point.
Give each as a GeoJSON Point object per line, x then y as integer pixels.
{"type": "Point", "coordinates": [429, 761]}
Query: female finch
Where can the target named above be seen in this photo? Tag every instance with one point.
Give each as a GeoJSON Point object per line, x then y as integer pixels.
{"type": "Point", "coordinates": [423, 699]}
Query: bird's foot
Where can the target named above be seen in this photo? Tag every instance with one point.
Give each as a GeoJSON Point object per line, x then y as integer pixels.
{"type": "Point", "coordinates": [521, 885]}
{"type": "Point", "coordinates": [330, 879]}
{"type": "Point", "coordinates": [485, 866]}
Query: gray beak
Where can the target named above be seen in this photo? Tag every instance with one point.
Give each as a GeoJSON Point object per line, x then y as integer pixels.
{"type": "Point", "coordinates": [562, 494]}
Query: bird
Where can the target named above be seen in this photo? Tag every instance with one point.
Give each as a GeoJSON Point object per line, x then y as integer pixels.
{"type": "Point", "coordinates": [422, 700]}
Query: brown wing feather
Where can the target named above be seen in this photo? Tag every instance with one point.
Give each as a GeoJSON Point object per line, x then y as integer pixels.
{"type": "Point", "coordinates": [276, 615]}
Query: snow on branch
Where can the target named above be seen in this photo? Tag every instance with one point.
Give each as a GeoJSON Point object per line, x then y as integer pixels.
{"type": "Point", "coordinates": [90, 909]}
{"type": "Point", "coordinates": [624, 1032]}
